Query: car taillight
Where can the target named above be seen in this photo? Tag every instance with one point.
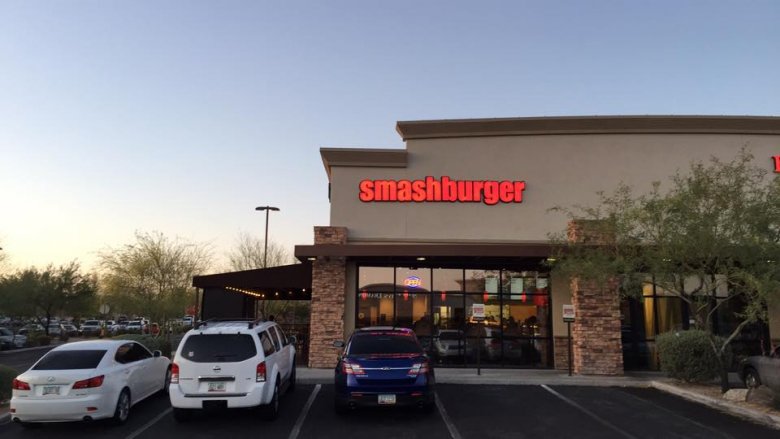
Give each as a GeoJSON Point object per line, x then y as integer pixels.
{"type": "Point", "coordinates": [352, 368]}
{"type": "Point", "coordinates": [174, 373]}
{"type": "Point", "coordinates": [20, 385]}
{"type": "Point", "coordinates": [89, 383]}
{"type": "Point", "coordinates": [260, 376]}
{"type": "Point", "coordinates": [418, 368]}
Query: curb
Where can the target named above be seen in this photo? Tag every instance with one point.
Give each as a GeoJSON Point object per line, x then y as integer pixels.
{"type": "Point", "coordinates": [767, 419]}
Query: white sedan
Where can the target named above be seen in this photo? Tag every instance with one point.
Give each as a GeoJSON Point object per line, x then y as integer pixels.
{"type": "Point", "coordinates": [88, 380]}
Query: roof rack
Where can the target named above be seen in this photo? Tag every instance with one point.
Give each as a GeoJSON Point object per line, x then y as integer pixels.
{"type": "Point", "coordinates": [223, 319]}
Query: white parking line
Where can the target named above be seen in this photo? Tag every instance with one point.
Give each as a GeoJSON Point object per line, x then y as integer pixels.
{"type": "Point", "coordinates": [677, 415]}
{"type": "Point", "coordinates": [602, 421]}
{"type": "Point", "coordinates": [454, 434]}
{"type": "Point", "coordinates": [299, 423]}
{"type": "Point", "coordinates": [149, 424]}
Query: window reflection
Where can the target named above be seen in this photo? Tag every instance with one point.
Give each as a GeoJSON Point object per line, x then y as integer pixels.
{"type": "Point", "coordinates": [438, 304]}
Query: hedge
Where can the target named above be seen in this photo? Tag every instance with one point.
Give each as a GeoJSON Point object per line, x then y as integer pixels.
{"type": "Point", "coordinates": [151, 342]}
{"type": "Point", "coordinates": [7, 375]}
{"type": "Point", "coordinates": [688, 356]}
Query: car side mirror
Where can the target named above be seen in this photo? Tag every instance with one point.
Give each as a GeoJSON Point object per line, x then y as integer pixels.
{"type": "Point", "coordinates": [339, 344]}
{"type": "Point", "coordinates": [292, 339]}
{"type": "Point", "coordinates": [157, 354]}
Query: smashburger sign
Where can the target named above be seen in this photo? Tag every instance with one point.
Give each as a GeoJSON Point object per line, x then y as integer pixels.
{"type": "Point", "coordinates": [444, 189]}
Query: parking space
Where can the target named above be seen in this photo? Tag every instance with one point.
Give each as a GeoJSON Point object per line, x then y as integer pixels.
{"type": "Point", "coordinates": [466, 411]}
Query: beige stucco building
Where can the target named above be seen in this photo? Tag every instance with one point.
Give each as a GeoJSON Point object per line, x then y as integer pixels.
{"type": "Point", "coordinates": [450, 235]}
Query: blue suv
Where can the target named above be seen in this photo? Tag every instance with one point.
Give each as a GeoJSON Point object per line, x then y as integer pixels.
{"type": "Point", "coordinates": [383, 366]}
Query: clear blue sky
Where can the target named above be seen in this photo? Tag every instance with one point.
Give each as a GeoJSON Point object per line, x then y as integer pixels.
{"type": "Point", "coordinates": [182, 116]}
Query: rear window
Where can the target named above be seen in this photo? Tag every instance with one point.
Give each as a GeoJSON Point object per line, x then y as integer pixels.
{"type": "Point", "coordinates": [65, 360]}
{"type": "Point", "coordinates": [91, 322]}
{"type": "Point", "coordinates": [225, 348]}
{"type": "Point", "coordinates": [383, 343]}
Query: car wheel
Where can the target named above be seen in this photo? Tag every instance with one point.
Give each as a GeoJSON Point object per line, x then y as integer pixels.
{"type": "Point", "coordinates": [122, 411]}
{"type": "Point", "coordinates": [167, 382]}
{"type": "Point", "coordinates": [291, 381]}
{"type": "Point", "coordinates": [752, 380]}
{"type": "Point", "coordinates": [271, 410]}
{"type": "Point", "coordinates": [182, 415]}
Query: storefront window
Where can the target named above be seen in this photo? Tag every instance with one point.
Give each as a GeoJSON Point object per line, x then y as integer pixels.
{"type": "Point", "coordinates": [375, 297]}
{"type": "Point", "coordinates": [439, 305]}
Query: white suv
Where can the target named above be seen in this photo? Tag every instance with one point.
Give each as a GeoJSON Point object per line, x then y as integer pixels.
{"type": "Point", "coordinates": [230, 364]}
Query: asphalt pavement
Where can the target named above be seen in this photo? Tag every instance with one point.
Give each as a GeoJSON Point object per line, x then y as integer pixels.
{"type": "Point", "coordinates": [496, 403]}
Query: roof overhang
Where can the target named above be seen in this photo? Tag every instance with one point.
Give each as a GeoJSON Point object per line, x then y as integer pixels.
{"type": "Point", "coordinates": [523, 126]}
{"type": "Point", "coordinates": [364, 158]}
{"type": "Point", "coordinates": [416, 251]}
{"type": "Point", "coordinates": [295, 277]}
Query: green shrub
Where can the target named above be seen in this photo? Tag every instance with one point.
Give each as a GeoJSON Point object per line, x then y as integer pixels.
{"type": "Point", "coordinates": [151, 342]}
{"type": "Point", "coordinates": [7, 376]}
{"type": "Point", "coordinates": [688, 356]}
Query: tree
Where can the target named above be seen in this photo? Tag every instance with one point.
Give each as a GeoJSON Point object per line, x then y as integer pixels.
{"type": "Point", "coordinates": [249, 253]}
{"type": "Point", "coordinates": [152, 277]}
{"type": "Point", "coordinates": [711, 239]}
{"type": "Point", "coordinates": [49, 293]}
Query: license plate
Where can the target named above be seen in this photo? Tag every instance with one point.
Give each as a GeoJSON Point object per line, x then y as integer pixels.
{"type": "Point", "coordinates": [216, 386]}
{"type": "Point", "coordinates": [386, 399]}
{"type": "Point", "coordinates": [51, 390]}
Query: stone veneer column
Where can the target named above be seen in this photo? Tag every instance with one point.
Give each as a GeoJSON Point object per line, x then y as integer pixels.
{"type": "Point", "coordinates": [328, 281]}
{"type": "Point", "coordinates": [597, 347]}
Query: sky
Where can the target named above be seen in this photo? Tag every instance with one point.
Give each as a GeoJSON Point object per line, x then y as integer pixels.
{"type": "Point", "coordinates": [181, 117]}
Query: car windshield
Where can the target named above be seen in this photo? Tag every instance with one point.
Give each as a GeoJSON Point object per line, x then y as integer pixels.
{"type": "Point", "coordinates": [4, 331]}
{"type": "Point", "coordinates": [75, 359]}
{"type": "Point", "coordinates": [385, 343]}
{"type": "Point", "coordinates": [91, 322]}
{"type": "Point", "coordinates": [227, 348]}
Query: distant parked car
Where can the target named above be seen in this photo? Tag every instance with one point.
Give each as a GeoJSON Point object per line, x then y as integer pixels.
{"type": "Point", "coordinates": [762, 369]}
{"type": "Point", "coordinates": [90, 328]}
{"type": "Point", "coordinates": [55, 329]}
{"type": "Point", "coordinates": [383, 366]}
{"type": "Point", "coordinates": [70, 329]}
{"type": "Point", "coordinates": [88, 380]}
{"type": "Point", "coordinates": [9, 340]}
{"type": "Point", "coordinates": [30, 328]}
{"type": "Point", "coordinates": [135, 326]}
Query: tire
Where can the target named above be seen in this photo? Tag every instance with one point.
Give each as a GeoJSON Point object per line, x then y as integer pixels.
{"type": "Point", "coordinates": [182, 415]}
{"type": "Point", "coordinates": [167, 383]}
{"type": "Point", "coordinates": [752, 380]}
{"type": "Point", "coordinates": [291, 380]}
{"type": "Point", "coordinates": [122, 410]}
{"type": "Point", "coordinates": [429, 407]}
{"type": "Point", "coordinates": [271, 410]}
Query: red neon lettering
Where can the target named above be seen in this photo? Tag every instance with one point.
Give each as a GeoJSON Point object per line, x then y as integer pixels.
{"type": "Point", "coordinates": [366, 190]}
{"type": "Point", "coordinates": [490, 192]}
{"type": "Point", "coordinates": [777, 163]}
{"type": "Point", "coordinates": [418, 191]}
{"type": "Point", "coordinates": [404, 190]}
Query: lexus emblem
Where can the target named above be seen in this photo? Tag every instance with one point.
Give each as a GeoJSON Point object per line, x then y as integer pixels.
{"type": "Point", "coordinates": [50, 379]}
{"type": "Point", "coordinates": [217, 369]}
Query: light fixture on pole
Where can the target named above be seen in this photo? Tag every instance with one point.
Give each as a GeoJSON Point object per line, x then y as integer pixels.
{"type": "Point", "coordinates": [265, 250]}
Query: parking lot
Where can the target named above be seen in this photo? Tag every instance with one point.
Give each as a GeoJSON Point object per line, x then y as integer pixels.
{"type": "Point", "coordinates": [464, 411]}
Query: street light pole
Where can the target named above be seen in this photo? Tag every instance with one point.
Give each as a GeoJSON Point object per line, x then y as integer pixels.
{"type": "Point", "coordinates": [267, 209]}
